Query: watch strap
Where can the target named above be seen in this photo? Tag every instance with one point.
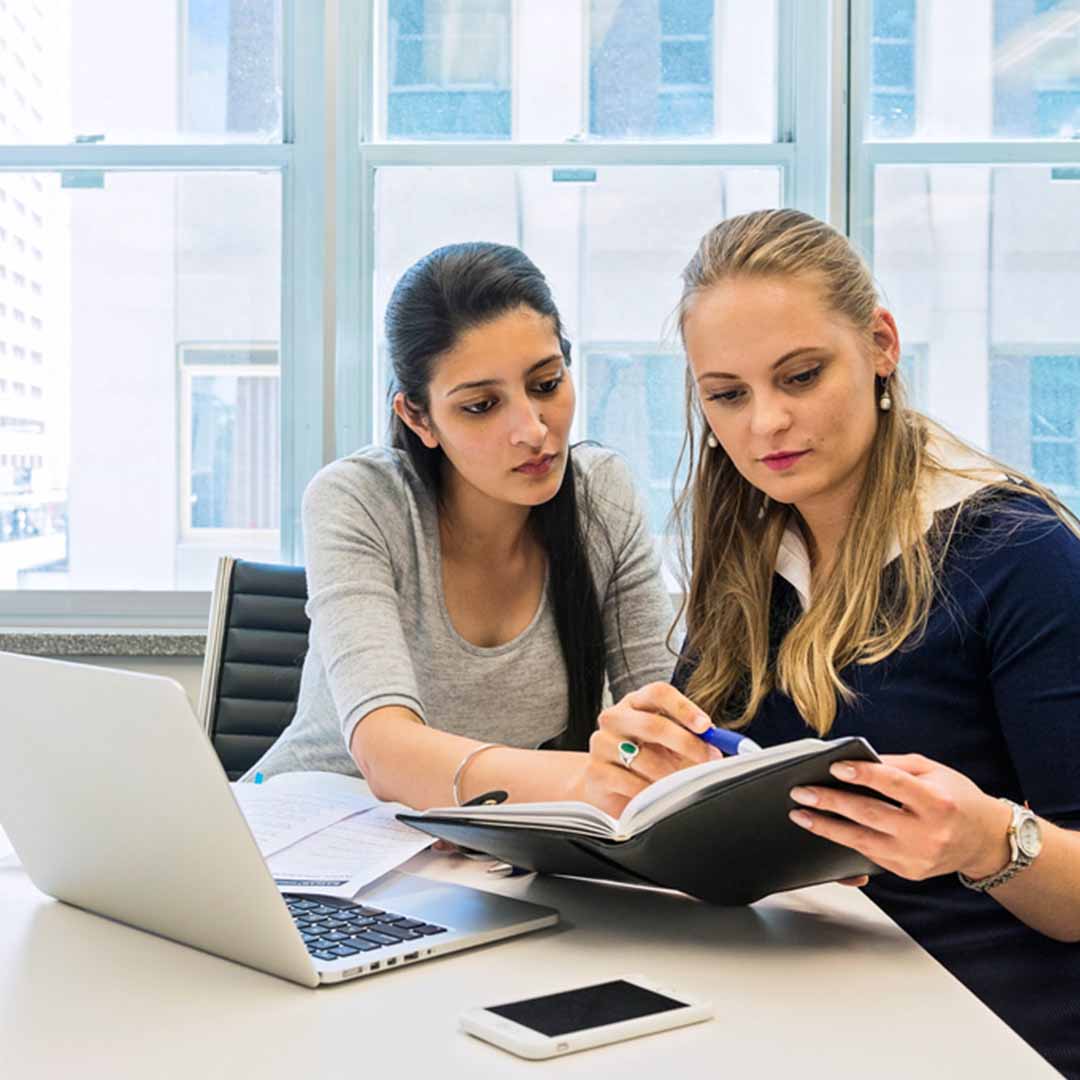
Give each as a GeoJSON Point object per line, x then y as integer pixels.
{"type": "Point", "coordinates": [1019, 860]}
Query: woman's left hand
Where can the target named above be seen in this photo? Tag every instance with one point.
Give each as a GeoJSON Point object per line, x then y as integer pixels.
{"type": "Point", "coordinates": [944, 821]}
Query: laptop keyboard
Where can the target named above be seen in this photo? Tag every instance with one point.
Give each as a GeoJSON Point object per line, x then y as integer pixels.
{"type": "Point", "coordinates": [333, 929]}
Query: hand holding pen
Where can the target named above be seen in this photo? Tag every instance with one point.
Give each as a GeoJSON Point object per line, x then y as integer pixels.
{"type": "Point", "coordinates": [649, 734]}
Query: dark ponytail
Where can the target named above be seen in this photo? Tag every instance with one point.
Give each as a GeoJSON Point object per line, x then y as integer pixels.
{"type": "Point", "coordinates": [449, 291]}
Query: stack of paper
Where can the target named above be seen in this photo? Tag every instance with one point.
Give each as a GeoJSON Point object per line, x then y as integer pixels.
{"type": "Point", "coordinates": [326, 834]}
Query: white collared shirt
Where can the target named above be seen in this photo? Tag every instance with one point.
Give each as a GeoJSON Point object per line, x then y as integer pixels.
{"type": "Point", "coordinates": [940, 491]}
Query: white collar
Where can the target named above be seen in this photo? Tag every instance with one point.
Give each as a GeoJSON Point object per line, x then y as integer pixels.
{"type": "Point", "coordinates": [940, 491]}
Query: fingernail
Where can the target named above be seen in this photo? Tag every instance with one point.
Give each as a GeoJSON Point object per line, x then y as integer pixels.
{"type": "Point", "coordinates": [843, 772]}
{"type": "Point", "coordinates": [801, 817]}
{"type": "Point", "coordinates": [714, 754]}
{"type": "Point", "coordinates": [804, 795]}
{"type": "Point", "coordinates": [702, 722]}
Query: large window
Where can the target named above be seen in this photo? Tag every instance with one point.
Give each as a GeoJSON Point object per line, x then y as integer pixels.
{"type": "Point", "coordinates": [175, 365]}
{"type": "Point", "coordinates": [971, 214]}
{"type": "Point", "coordinates": [603, 137]}
{"type": "Point", "coordinates": [155, 287]}
{"type": "Point", "coordinates": [575, 69]}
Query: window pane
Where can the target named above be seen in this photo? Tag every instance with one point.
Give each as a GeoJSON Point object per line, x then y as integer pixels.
{"type": "Point", "coordinates": [636, 404]}
{"type": "Point", "coordinates": [611, 69]}
{"type": "Point", "coordinates": [892, 69]}
{"type": "Point", "coordinates": [979, 265]}
{"type": "Point", "coordinates": [203, 69]}
{"type": "Point", "coordinates": [448, 69]}
{"type": "Point", "coordinates": [233, 429]}
{"type": "Point", "coordinates": [612, 248]}
{"type": "Point", "coordinates": [139, 277]}
{"type": "Point", "coordinates": [664, 69]}
{"type": "Point", "coordinates": [975, 69]}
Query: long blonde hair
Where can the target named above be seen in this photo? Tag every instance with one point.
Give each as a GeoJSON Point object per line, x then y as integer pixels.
{"type": "Point", "coordinates": [735, 531]}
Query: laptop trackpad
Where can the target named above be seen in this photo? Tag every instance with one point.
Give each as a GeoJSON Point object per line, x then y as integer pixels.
{"type": "Point", "coordinates": [447, 905]}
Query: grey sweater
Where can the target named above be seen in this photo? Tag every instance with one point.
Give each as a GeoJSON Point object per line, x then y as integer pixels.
{"type": "Point", "coordinates": [381, 634]}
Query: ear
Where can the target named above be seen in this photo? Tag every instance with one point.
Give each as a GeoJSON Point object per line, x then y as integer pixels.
{"type": "Point", "coordinates": [414, 420]}
{"type": "Point", "coordinates": [886, 341]}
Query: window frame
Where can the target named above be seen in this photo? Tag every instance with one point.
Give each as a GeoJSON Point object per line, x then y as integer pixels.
{"type": "Point", "coordinates": [865, 153]}
{"type": "Point", "coordinates": [188, 371]}
{"type": "Point", "coordinates": [300, 160]}
{"type": "Point", "coordinates": [808, 149]}
{"type": "Point", "coordinates": [328, 159]}
{"type": "Point", "coordinates": [384, 65]}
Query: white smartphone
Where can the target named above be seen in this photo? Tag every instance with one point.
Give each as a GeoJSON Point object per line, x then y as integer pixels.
{"type": "Point", "coordinates": [586, 1016]}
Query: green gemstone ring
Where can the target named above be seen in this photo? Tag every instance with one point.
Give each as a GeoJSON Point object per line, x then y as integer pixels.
{"type": "Point", "coordinates": [627, 752]}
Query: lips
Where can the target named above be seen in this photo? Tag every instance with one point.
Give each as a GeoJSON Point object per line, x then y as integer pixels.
{"type": "Point", "coordinates": [783, 460]}
{"type": "Point", "coordinates": [537, 467]}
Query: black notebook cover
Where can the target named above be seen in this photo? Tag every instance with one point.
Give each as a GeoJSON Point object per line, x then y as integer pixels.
{"type": "Point", "coordinates": [733, 845]}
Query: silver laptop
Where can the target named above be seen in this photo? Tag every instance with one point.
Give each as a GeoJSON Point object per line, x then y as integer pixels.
{"type": "Point", "coordinates": [115, 802]}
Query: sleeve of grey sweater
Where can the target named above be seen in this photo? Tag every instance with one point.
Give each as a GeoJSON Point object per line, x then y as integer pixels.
{"type": "Point", "coordinates": [353, 597]}
{"type": "Point", "coordinates": [636, 609]}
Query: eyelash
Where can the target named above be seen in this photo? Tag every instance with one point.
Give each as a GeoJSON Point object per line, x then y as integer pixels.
{"type": "Point", "coordinates": [544, 389]}
{"type": "Point", "coordinates": [800, 381]}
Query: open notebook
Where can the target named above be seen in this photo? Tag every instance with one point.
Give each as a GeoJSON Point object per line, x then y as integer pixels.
{"type": "Point", "coordinates": [718, 830]}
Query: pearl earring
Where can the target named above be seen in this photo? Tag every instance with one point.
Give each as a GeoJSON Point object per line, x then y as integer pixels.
{"type": "Point", "coordinates": [713, 441]}
{"type": "Point", "coordinates": [885, 401]}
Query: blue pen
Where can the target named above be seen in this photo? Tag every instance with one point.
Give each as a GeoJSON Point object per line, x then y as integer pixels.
{"type": "Point", "coordinates": [730, 742]}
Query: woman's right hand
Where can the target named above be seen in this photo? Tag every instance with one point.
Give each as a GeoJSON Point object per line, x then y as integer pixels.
{"type": "Point", "coordinates": [660, 722]}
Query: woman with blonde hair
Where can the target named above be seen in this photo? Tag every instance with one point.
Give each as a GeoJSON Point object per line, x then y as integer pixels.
{"type": "Point", "coordinates": [857, 570]}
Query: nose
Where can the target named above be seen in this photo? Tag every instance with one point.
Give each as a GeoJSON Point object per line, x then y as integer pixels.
{"type": "Point", "coordinates": [769, 414]}
{"type": "Point", "coordinates": [527, 426]}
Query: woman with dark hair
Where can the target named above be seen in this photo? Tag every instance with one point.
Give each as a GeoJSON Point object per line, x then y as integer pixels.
{"type": "Point", "coordinates": [472, 585]}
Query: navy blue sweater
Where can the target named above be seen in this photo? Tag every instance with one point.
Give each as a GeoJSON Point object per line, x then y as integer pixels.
{"type": "Point", "coordinates": [993, 691]}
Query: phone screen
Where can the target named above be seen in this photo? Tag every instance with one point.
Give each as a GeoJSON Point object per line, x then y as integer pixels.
{"type": "Point", "coordinates": [588, 1007]}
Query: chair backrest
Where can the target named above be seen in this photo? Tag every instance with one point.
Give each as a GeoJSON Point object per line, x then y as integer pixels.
{"type": "Point", "coordinates": [255, 648]}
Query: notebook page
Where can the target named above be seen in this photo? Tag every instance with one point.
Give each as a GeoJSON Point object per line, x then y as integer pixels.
{"type": "Point", "coordinates": [343, 858]}
{"type": "Point", "coordinates": [568, 816]}
{"type": "Point", "coordinates": [662, 797]}
{"type": "Point", "coordinates": [278, 818]}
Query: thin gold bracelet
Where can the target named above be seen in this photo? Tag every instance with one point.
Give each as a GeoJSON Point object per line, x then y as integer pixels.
{"type": "Point", "coordinates": [476, 751]}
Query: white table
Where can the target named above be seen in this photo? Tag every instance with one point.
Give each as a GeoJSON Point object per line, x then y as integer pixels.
{"type": "Point", "coordinates": [816, 983]}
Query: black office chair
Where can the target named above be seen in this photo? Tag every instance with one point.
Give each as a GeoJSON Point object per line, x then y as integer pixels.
{"type": "Point", "coordinates": [255, 647]}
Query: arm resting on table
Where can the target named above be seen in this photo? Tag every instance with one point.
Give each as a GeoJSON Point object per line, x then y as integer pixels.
{"type": "Point", "coordinates": [405, 761]}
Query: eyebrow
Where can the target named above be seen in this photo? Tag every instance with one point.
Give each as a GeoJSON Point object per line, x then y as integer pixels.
{"type": "Point", "coordinates": [772, 367]}
{"type": "Point", "coordinates": [498, 382]}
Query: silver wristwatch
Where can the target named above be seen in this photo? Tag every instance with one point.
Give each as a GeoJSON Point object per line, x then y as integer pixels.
{"type": "Point", "coordinates": [1025, 843]}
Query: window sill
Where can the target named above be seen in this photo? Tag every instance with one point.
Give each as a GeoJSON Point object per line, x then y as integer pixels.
{"type": "Point", "coordinates": [103, 643]}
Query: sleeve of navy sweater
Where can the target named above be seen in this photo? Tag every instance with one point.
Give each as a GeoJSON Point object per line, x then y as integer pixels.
{"type": "Point", "coordinates": [1032, 589]}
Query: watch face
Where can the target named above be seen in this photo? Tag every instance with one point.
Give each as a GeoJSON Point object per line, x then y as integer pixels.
{"type": "Point", "coordinates": [1029, 837]}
